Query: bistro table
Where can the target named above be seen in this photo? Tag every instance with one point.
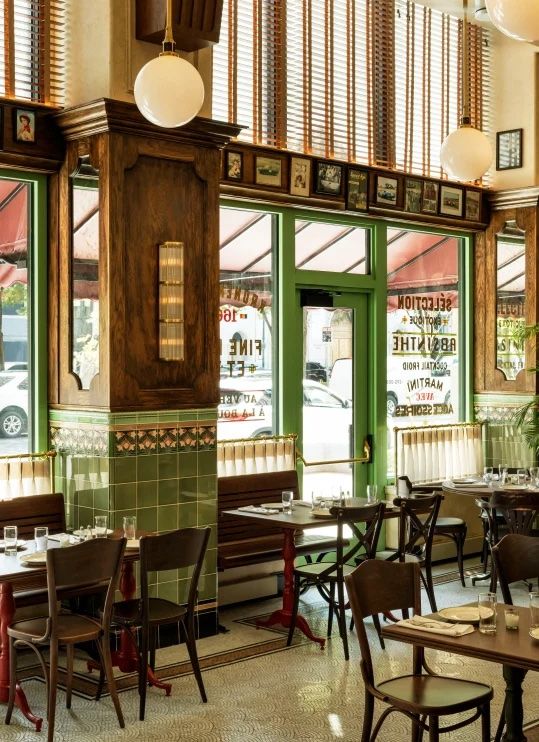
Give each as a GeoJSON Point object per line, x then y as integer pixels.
{"type": "Point", "coordinates": [298, 520]}
{"type": "Point", "coordinates": [16, 578]}
{"type": "Point", "coordinates": [515, 650]}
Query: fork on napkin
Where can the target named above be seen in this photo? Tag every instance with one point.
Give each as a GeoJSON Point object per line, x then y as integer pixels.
{"type": "Point", "coordinates": [257, 509]}
{"type": "Point", "coordinates": [436, 627]}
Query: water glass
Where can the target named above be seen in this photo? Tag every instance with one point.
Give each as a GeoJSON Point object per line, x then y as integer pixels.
{"type": "Point", "coordinates": [130, 527]}
{"type": "Point", "coordinates": [534, 475]}
{"type": "Point", "coordinates": [522, 475]}
{"type": "Point", "coordinates": [372, 493]}
{"type": "Point", "coordinates": [487, 474]}
{"type": "Point", "coordinates": [101, 526]}
{"type": "Point", "coordinates": [41, 534]}
{"type": "Point", "coordinates": [10, 540]}
{"type": "Point", "coordinates": [511, 618]}
{"type": "Point", "coordinates": [534, 610]}
{"type": "Point", "coordinates": [504, 475]}
{"type": "Point", "coordinates": [287, 498]}
{"type": "Point", "coordinates": [316, 501]}
{"type": "Point", "coordinates": [486, 604]}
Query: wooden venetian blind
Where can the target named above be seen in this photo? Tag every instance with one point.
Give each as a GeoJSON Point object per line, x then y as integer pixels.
{"type": "Point", "coordinates": [32, 50]}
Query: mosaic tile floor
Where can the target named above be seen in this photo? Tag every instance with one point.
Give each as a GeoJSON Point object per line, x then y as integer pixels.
{"type": "Point", "coordinates": [259, 691]}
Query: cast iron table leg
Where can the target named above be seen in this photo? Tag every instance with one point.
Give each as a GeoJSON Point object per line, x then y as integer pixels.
{"type": "Point", "coordinates": [283, 616]}
{"type": "Point", "coordinates": [126, 658]}
{"type": "Point", "coordinates": [7, 612]}
{"type": "Point", "coordinates": [514, 715]}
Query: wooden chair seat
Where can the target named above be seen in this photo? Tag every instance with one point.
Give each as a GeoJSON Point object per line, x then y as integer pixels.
{"type": "Point", "coordinates": [312, 570]}
{"type": "Point", "coordinates": [449, 524]}
{"type": "Point", "coordinates": [72, 628]}
{"type": "Point", "coordinates": [444, 695]}
{"type": "Point", "coordinates": [128, 613]}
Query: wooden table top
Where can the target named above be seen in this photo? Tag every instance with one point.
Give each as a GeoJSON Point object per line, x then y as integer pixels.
{"type": "Point", "coordinates": [479, 490]}
{"type": "Point", "coordinates": [302, 518]}
{"type": "Point", "coordinates": [513, 648]}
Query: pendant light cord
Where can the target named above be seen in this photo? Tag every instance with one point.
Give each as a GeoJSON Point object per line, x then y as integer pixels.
{"type": "Point", "coordinates": [465, 114]}
{"type": "Point", "coordinates": [169, 44]}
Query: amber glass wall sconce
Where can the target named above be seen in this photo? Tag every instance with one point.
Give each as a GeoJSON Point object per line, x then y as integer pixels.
{"type": "Point", "coordinates": [171, 338]}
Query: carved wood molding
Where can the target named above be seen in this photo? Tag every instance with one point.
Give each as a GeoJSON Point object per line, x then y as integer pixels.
{"type": "Point", "coordinates": [195, 23]}
{"type": "Point", "coordinates": [515, 198]}
{"type": "Point", "coordinates": [108, 115]}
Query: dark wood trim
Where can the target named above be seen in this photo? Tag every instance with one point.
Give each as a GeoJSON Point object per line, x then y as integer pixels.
{"type": "Point", "coordinates": [195, 23]}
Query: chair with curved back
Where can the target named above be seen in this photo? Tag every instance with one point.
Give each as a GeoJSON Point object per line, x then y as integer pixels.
{"type": "Point", "coordinates": [90, 566]}
{"type": "Point", "coordinates": [328, 577]}
{"type": "Point", "coordinates": [384, 587]}
{"type": "Point", "coordinates": [516, 558]}
{"type": "Point", "coordinates": [417, 520]}
{"type": "Point", "coordinates": [450, 527]}
{"type": "Point", "coordinates": [181, 549]}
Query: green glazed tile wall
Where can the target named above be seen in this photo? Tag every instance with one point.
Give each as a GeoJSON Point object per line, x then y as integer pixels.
{"type": "Point", "coordinates": [504, 443]}
{"type": "Point", "coordinates": [160, 467]}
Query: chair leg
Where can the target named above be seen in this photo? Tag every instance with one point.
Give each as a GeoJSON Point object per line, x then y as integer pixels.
{"type": "Point", "coordinates": [341, 617]}
{"type": "Point", "coordinates": [460, 555]}
{"type": "Point", "coordinates": [376, 622]}
{"type": "Point", "coordinates": [429, 585]}
{"type": "Point", "coordinates": [101, 681]}
{"type": "Point", "coordinates": [53, 683]}
{"type": "Point", "coordinates": [193, 656]}
{"type": "Point", "coordinates": [143, 670]}
{"type": "Point", "coordinates": [12, 679]}
{"type": "Point", "coordinates": [501, 725]}
{"type": "Point", "coordinates": [367, 717]}
{"type": "Point", "coordinates": [294, 615]}
{"type": "Point", "coordinates": [70, 651]}
{"type": "Point", "coordinates": [331, 608]}
{"type": "Point", "coordinates": [485, 722]}
{"type": "Point", "coordinates": [106, 663]}
{"type": "Point", "coordinates": [434, 729]}
{"type": "Point", "coordinates": [153, 643]}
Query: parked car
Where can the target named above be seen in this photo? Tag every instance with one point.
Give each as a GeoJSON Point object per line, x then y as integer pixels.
{"type": "Point", "coordinates": [245, 411]}
{"type": "Point", "coordinates": [315, 371]}
{"type": "Point", "coordinates": [13, 403]}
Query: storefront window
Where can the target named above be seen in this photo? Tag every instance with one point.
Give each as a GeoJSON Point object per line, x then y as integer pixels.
{"type": "Point", "coordinates": [338, 248]}
{"type": "Point", "coordinates": [245, 317]}
{"type": "Point", "coordinates": [422, 330]}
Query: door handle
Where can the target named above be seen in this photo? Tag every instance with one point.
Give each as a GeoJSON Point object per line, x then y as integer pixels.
{"type": "Point", "coordinates": [366, 458]}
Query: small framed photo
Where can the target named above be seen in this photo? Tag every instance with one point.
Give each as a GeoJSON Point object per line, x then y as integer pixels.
{"type": "Point", "coordinates": [358, 188]}
{"type": "Point", "coordinates": [413, 190]}
{"type": "Point", "coordinates": [451, 200]}
{"type": "Point", "coordinates": [328, 178]}
{"type": "Point", "coordinates": [268, 171]}
{"type": "Point", "coordinates": [508, 149]}
{"type": "Point", "coordinates": [387, 190]}
{"type": "Point", "coordinates": [429, 202]}
{"type": "Point", "coordinates": [233, 165]}
{"type": "Point", "coordinates": [300, 176]}
{"type": "Point", "coordinates": [25, 125]}
{"type": "Point", "coordinates": [473, 205]}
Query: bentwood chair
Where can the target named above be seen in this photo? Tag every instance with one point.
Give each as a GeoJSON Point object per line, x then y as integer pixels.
{"type": "Point", "coordinates": [447, 526]}
{"type": "Point", "coordinates": [417, 521]}
{"type": "Point", "coordinates": [516, 558]}
{"type": "Point", "coordinates": [181, 549]}
{"type": "Point", "coordinates": [92, 565]}
{"type": "Point", "coordinates": [328, 576]}
{"type": "Point", "coordinates": [382, 587]}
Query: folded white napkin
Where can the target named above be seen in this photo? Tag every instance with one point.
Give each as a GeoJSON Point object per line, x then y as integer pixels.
{"type": "Point", "coordinates": [436, 627]}
{"type": "Point", "coordinates": [256, 509]}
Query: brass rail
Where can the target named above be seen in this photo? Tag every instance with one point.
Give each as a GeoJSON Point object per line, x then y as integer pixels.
{"type": "Point", "coordinates": [365, 459]}
{"type": "Point", "coordinates": [51, 455]}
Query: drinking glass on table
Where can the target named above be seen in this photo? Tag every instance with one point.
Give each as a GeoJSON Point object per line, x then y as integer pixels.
{"type": "Point", "coordinates": [372, 493]}
{"type": "Point", "coordinates": [101, 526]}
{"type": "Point", "coordinates": [534, 476]}
{"type": "Point", "coordinates": [486, 604]}
{"type": "Point", "coordinates": [287, 498]}
{"type": "Point", "coordinates": [534, 610]}
{"type": "Point", "coordinates": [130, 527]}
{"type": "Point", "coordinates": [487, 474]}
{"type": "Point", "coordinates": [10, 540]}
{"type": "Point", "coordinates": [41, 535]}
{"type": "Point", "coordinates": [504, 475]}
{"type": "Point", "coordinates": [522, 475]}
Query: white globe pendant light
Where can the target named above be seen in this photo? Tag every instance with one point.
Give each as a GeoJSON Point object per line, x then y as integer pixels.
{"type": "Point", "coordinates": [466, 153]}
{"type": "Point", "coordinates": [518, 19]}
{"type": "Point", "coordinates": [169, 91]}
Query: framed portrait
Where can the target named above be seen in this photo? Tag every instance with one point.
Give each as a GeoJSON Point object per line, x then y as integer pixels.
{"type": "Point", "coordinates": [473, 205]}
{"type": "Point", "coordinates": [300, 176]}
{"type": "Point", "coordinates": [413, 190]}
{"type": "Point", "coordinates": [25, 125]}
{"type": "Point", "coordinates": [268, 171]}
{"type": "Point", "coordinates": [387, 190]}
{"type": "Point", "coordinates": [508, 149]}
{"type": "Point", "coordinates": [451, 200]}
{"type": "Point", "coordinates": [357, 190]}
{"type": "Point", "coordinates": [233, 165]}
{"type": "Point", "coordinates": [328, 178]}
{"type": "Point", "coordinates": [429, 201]}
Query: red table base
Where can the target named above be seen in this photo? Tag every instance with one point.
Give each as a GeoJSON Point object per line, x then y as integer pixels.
{"type": "Point", "coordinates": [283, 616]}
{"type": "Point", "coordinates": [7, 612]}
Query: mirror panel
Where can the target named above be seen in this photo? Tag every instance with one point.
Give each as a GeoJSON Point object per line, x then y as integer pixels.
{"type": "Point", "coordinates": [85, 273]}
{"type": "Point", "coordinates": [510, 300]}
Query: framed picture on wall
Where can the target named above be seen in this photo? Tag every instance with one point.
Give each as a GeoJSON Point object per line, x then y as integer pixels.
{"type": "Point", "coordinates": [25, 125]}
{"type": "Point", "coordinates": [508, 149]}
{"type": "Point", "coordinates": [268, 171]}
{"type": "Point", "coordinates": [473, 205]}
{"type": "Point", "coordinates": [328, 178]}
{"type": "Point", "coordinates": [300, 176]}
{"type": "Point", "coordinates": [357, 191]}
{"type": "Point", "coordinates": [413, 190]}
{"type": "Point", "coordinates": [429, 201]}
{"type": "Point", "coordinates": [233, 165]}
{"type": "Point", "coordinates": [387, 190]}
{"type": "Point", "coordinates": [451, 200]}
